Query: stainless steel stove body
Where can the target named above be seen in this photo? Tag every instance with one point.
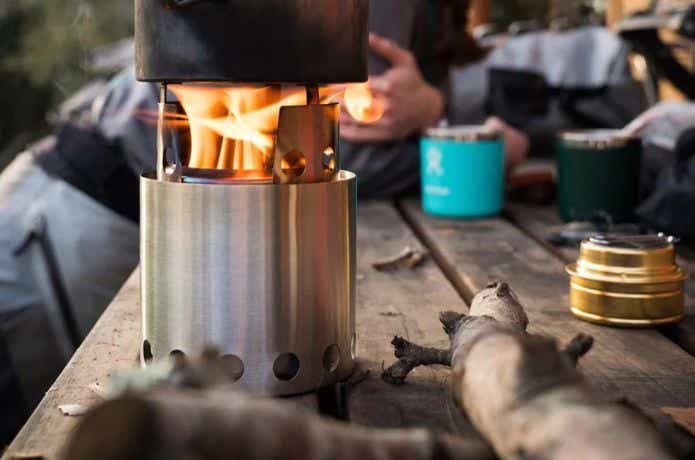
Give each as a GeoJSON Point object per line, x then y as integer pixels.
{"type": "Point", "coordinates": [263, 268]}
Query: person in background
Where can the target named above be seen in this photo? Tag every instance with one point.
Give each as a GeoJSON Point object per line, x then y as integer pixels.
{"type": "Point", "coordinates": [413, 46]}
{"type": "Point", "coordinates": [426, 68]}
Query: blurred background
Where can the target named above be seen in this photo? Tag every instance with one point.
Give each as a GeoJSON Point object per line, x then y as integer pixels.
{"type": "Point", "coordinates": [51, 50]}
{"type": "Point", "coordinates": [47, 53]}
{"type": "Point", "coordinates": [541, 66]}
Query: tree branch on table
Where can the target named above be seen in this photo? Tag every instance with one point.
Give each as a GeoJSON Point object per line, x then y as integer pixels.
{"type": "Point", "coordinates": [523, 393]}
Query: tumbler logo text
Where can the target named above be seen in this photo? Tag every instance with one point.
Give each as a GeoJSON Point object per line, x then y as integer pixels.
{"type": "Point", "coordinates": [433, 157]}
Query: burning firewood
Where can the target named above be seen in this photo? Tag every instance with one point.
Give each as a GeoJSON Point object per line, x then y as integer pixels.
{"type": "Point", "coordinates": [522, 393]}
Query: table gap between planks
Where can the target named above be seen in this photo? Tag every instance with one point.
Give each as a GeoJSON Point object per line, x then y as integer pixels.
{"type": "Point", "coordinates": [641, 364]}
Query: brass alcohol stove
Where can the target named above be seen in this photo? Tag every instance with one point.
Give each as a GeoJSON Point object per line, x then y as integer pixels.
{"type": "Point", "coordinates": [627, 281]}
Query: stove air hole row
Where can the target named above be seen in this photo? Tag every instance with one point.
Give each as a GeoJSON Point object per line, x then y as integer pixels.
{"type": "Point", "coordinates": [285, 367]}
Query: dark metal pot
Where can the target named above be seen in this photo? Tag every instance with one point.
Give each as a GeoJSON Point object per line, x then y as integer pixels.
{"type": "Point", "coordinates": [273, 41]}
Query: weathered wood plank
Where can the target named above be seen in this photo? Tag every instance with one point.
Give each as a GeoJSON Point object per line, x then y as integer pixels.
{"type": "Point", "coordinates": [640, 364]}
{"type": "Point", "coordinates": [387, 304]}
{"type": "Point", "coordinates": [536, 220]}
{"type": "Point", "coordinates": [407, 303]}
{"type": "Point", "coordinates": [112, 344]}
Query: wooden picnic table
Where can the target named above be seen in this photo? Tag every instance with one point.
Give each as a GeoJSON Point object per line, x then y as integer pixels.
{"type": "Point", "coordinates": [653, 368]}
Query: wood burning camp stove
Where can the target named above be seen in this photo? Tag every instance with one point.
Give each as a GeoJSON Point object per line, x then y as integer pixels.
{"type": "Point", "coordinates": [248, 223]}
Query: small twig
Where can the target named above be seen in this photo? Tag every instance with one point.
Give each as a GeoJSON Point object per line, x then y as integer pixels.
{"type": "Point", "coordinates": [415, 259]}
{"type": "Point", "coordinates": [407, 258]}
{"type": "Point", "coordinates": [578, 347]}
{"type": "Point", "coordinates": [392, 311]}
{"type": "Point", "coordinates": [450, 321]}
{"type": "Point", "coordinates": [73, 410]}
{"type": "Point", "coordinates": [411, 356]}
{"type": "Point", "coordinates": [392, 263]}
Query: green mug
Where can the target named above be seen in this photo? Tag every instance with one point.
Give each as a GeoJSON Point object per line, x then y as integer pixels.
{"type": "Point", "coordinates": [598, 175]}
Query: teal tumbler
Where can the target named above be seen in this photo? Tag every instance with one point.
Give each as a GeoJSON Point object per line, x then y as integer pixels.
{"type": "Point", "coordinates": [462, 171]}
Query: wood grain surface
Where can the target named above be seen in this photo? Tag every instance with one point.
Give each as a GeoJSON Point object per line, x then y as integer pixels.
{"type": "Point", "coordinates": [639, 364]}
{"type": "Point", "coordinates": [537, 222]}
{"type": "Point", "coordinates": [642, 365]}
{"type": "Point", "coordinates": [112, 344]}
{"type": "Point", "coordinates": [404, 302]}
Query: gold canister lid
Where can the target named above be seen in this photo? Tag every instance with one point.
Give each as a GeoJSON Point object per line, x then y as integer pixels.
{"type": "Point", "coordinates": [627, 281]}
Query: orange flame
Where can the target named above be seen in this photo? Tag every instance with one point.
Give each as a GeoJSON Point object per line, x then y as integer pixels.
{"type": "Point", "coordinates": [362, 104]}
{"type": "Point", "coordinates": [235, 127]}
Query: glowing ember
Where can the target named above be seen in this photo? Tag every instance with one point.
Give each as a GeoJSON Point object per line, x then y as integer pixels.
{"type": "Point", "coordinates": [362, 104]}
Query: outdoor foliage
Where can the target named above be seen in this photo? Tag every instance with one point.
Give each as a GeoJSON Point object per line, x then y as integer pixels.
{"type": "Point", "coordinates": [43, 47]}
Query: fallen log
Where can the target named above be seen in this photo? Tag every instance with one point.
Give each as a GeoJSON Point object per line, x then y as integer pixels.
{"type": "Point", "coordinates": [523, 393]}
{"type": "Point", "coordinates": [178, 424]}
{"type": "Point", "coordinates": [191, 413]}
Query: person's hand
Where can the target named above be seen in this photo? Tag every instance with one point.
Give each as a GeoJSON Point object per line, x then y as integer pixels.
{"type": "Point", "coordinates": [409, 103]}
{"type": "Point", "coordinates": [516, 143]}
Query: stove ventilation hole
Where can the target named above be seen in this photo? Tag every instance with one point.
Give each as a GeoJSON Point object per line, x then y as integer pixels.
{"type": "Point", "coordinates": [146, 351]}
{"type": "Point", "coordinates": [329, 160]}
{"type": "Point", "coordinates": [293, 163]}
{"type": "Point", "coordinates": [232, 366]}
{"type": "Point", "coordinates": [353, 346]}
{"type": "Point", "coordinates": [177, 354]}
{"type": "Point", "coordinates": [331, 358]}
{"type": "Point", "coordinates": [286, 366]}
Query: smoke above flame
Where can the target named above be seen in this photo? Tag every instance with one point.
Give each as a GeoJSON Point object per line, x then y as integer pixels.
{"type": "Point", "coordinates": [235, 127]}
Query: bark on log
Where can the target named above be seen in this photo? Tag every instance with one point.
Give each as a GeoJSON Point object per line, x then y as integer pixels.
{"type": "Point", "coordinates": [524, 394]}
{"type": "Point", "coordinates": [193, 424]}
{"type": "Point", "coordinates": [189, 412]}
